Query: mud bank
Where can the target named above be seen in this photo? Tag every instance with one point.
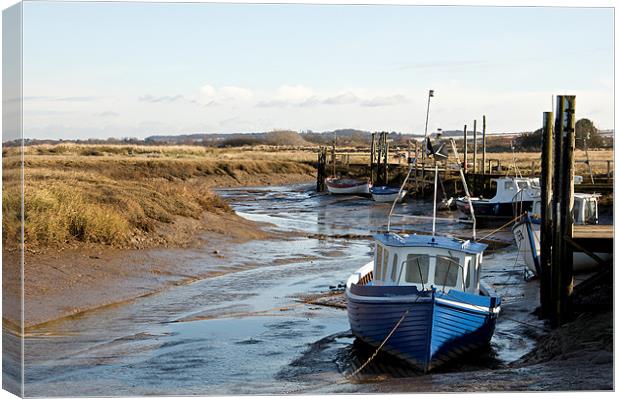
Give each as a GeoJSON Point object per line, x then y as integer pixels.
{"type": "Point", "coordinates": [69, 282]}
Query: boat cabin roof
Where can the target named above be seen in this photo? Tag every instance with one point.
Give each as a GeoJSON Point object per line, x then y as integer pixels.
{"type": "Point", "coordinates": [417, 241]}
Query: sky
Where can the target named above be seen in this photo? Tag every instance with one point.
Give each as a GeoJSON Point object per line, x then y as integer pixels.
{"type": "Point", "coordinates": [99, 70]}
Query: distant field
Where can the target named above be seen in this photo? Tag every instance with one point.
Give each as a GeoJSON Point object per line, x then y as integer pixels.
{"type": "Point", "coordinates": [122, 195]}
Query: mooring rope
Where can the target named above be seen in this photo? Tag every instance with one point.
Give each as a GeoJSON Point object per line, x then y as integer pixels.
{"type": "Point", "coordinates": [504, 225]}
{"type": "Point", "coordinates": [348, 377]}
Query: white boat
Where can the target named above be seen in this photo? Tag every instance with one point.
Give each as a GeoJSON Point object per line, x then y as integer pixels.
{"type": "Point", "coordinates": [527, 235]}
{"type": "Point", "coordinates": [347, 186]}
{"type": "Point", "coordinates": [513, 195]}
{"type": "Point", "coordinates": [387, 194]}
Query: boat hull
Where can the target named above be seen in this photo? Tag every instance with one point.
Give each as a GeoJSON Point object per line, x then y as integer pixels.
{"type": "Point", "coordinates": [381, 194]}
{"type": "Point", "coordinates": [527, 237]}
{"type": "Point", "coordinates": [484, 208]}
{"type": "Point", "coordinates": [435, 328]}
{"type": "Point", "coordinates": [347, 186]}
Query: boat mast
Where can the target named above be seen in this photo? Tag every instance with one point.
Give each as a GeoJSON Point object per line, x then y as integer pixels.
{"type": "Point", "coordinates": [428, 107]}
{"type": "Point", "coordinates": [435, 200]}
{"type": "Point", "coordinates": [471, 207]}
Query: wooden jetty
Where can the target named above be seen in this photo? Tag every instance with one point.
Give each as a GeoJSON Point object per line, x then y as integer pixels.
{"type": "Point", "coordinates": [385, 164]}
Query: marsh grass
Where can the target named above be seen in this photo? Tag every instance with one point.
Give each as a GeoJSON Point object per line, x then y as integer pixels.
{"type": "Point", "coordinates": [119, 195]}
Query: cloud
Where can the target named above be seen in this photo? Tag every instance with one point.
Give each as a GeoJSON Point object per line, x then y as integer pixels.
{"type": "Point", "coordinates": [162, 99]}
{"type": "Point", "coordinates": [78, 99]}
{"type": "Point", "coordinates": [227, 94]}
{"type": "Point", "coordinates": [294, 94]}
{"type": "Point", "coordinates": [302, 96]}
{"type": "Point", "coordinates": [108, 114]}
{"type": "Point", "coordinates": [385, 101]}
{"type": "Point", "coordinates": [235, 93]}
{"type": "Point", "coordinates": [344, 98]}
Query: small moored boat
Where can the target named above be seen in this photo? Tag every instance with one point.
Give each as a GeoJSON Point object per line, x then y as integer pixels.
{"type": "Point", "coordinates": [513, 195]}
{"type": "Point", "coordinates": [347, 186]}
{"type": "Point", "coordinates": [526, 232]}
{"type": "Point", "coordinates": [421, 299]}
{"type": "Point", "coordinates": [422, 295]}
{"type": "Point", "coordinates": [387, 194]}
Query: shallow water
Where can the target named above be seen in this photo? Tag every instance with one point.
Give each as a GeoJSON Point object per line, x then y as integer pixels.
{"type": "Point", "coordinates": [244, 331]}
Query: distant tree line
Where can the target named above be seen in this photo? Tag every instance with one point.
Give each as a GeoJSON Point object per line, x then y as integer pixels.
{"type": "Point", "coordinates": [586, 134]}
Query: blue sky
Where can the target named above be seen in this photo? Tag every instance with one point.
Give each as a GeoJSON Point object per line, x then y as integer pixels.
{"type": "Point", "coordinates": [136, 69]}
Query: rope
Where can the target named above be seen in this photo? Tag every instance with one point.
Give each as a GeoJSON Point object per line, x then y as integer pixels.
{"type": "Point", "coordinates": [504, 225]}
{"type": "Point", "coordinates": [353, 374]}
{"type": "Point", "coordinates": [367, 362]}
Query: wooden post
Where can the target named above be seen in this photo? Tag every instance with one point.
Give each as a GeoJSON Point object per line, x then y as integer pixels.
{"type": "Point", "coordinates": [556, 259]}
{"type": "Point", "coordinates": [320, 175]}
{"type": "Point", "coordinates": [334, 156]}
{"type": "Point", "coordinates": [465, 149]}
{"type": "Point", "coordinates": [484, 143]}
{"type": "Point", "coordinates": [372, 158]}
{"type": "Point", "coordinates": [608, 171]}
{"type": "Point", "coordinates": [475, 148]}
{"type": "Point", "coordinates": [546, 213]}
{"type": "Point", "coordinates": [567, 202]}
{"type": "Point", "coordinates": [562, 203]}
{"type": "Point", "coordinates": [386, 158]}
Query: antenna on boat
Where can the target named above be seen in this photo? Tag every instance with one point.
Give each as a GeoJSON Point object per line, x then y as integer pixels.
{"type": "Point", "coordinates": [471, 207]}
{"type": "Point", "coordinates": [435, 200]}
{"type": "Point", "coordinates": [402, 186]}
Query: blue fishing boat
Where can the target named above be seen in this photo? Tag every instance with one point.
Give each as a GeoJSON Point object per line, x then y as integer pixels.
{"type": "Point", "coordinates": [386, 193]}
{"type": "Point", "coordinates": [421, 298]}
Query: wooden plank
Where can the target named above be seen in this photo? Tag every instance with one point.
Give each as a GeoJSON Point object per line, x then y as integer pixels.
{"type": "Point", "coordinates": [593, 231]}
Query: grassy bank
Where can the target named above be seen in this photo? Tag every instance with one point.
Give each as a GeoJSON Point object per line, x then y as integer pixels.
{"type": "Point", "coordinates": [126, 196]}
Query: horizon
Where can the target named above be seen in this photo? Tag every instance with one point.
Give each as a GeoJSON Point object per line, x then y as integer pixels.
{"type": "Point", "coordinates": [147, 69]}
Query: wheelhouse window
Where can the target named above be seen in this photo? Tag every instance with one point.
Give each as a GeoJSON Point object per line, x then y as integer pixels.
{"type": "Point", "coordinates": [522, 185]}
{"type": "Point", "coordinates": [379, 262]}
{"type": "Point", "coordinates": [386, 257]}
{"type": "Point", "coordinates": [590, 215]}
{"type": "Point", "coordinates": [446, 271]}
{"type": "Point", "coordinates": [577, 212]}
{"type": "Point", "coordinates": [536, 208]}
{"type": "Point", "coordinates": [469, 266]}
{"type": "Point", "coordinates": [416, 269]}
{"type": "Point", "coordinates": [508, 185]}
{"type": "Point", "coordinates": [394, 267]}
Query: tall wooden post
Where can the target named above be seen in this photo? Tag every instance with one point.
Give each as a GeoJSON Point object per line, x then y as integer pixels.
{"type": "Point", "coordinates": [385, 157]}
{"type": "Point", "coordinates": [475, 148]}
{"type": "Point", "coordinates": [372, 158]}
{"type": "Point", "coordinates": [556, 246]}
{"type": "Point", "coordinates": [334, 156]}
{"type": "Point", "coordinates": [465, 149]}
{"type": "Point", "coordinates": [562, 203]}
{"type": "Point", "coordinates": [566, 205]}
{"type": "Point", "coordinates": [484, 143]}
{"type": "Point", "coordinates": [546, 238]}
